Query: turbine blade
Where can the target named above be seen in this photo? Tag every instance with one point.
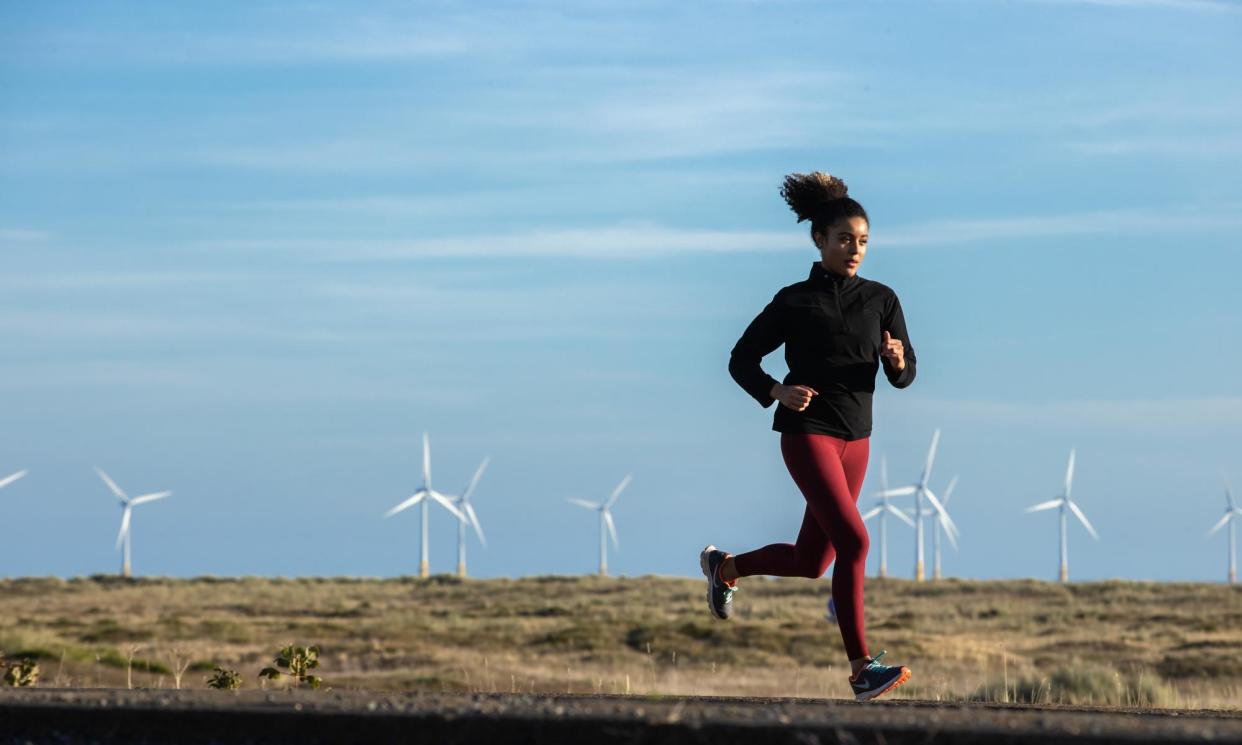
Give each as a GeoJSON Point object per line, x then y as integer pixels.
{"type": "Point", "coordinates": [1228, 495]}
{"type": "Point", "coordinates": [584, 503]}
{"type": "Point", "coordinates": [948, 493]}
{"type": "Point", "coordinates": [120, 536]}
{"type": "Point", "coordinates": [1078, 513]}
{"type": "Point", "coordinates": [112, 485]}
{"type": "Point", "coordinates": [426, 462]}
{"type": "Point", "coordinates": [418, 497]}
{"type": "Point", "coordinates": [1045, 505]}
{"type": "Point", "coordinates": [474, 520]}
{"type": "Point", "coordinates": [617, 492]}
{"type": "Point", "coordinates": [10, 479]}
{"type": "Point", "coordinates": [945, 520]}
{"type": "Point", "coordinates": [872, 513]}
{"type": "Point", "coordinates": [931, 457]}
{"type": "Point", "coordinates": [149, 497]}
{"type": "Point", "coordinates": [612, 529]}
{"type": "Point", "coordinates": [901, 515]}
{"type": "Point", "coordinates": [901, 491]}
{"type": "Point", "coordinates": [447, 504]}
{"type": "Point", "coordinates": [1223, 521]}
{"type": "Point", "coordinates": [884, 472]}
{"type": "Point", "coordinates": [474, 481]}
{"type": "Point", "coordinates": [1069, 474]}
{"type": "Point", "coordinates": [950, 531]}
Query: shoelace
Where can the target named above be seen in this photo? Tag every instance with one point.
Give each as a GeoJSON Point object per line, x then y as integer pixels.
{"type": "Point", "coordinates": [875, 661]}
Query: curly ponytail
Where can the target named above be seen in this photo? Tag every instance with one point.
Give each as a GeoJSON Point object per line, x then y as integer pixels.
{"type": "Point", "coordinates": [820, 198]}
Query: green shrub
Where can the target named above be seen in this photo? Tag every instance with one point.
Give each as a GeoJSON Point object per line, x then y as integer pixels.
{"type": "Point", "coordinates": [21, 674]}
{"type": "Point", "coordinates": [225, 680]}
{"type": "Point", "coordinates": [298, 662]}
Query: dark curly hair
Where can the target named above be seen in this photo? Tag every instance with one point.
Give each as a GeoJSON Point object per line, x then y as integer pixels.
{"type": "Point", "coordinates": [820, 198]}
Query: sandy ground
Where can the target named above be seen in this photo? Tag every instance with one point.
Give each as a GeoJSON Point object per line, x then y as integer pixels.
{"type": "Point", "coordinates": [75, 716]}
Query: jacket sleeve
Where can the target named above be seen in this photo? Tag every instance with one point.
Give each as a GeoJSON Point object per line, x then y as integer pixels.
{"type": "Point", "coordinates": [895, 324]}
{"type": "Point", "coordinates": [761, 337]}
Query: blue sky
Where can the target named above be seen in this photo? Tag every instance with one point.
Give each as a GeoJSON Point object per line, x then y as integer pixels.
{"type": "Point", "coordinates": [252, 251]}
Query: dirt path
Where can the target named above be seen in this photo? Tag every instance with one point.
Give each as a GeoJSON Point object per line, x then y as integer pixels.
{"type": "Point", "coordinates": [165, 717]}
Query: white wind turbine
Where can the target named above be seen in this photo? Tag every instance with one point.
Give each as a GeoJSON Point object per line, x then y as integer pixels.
{"type": "Point", "coordinates": [938, 522]}
{"type": "Point", "coordinates": [127, 508]}
{"type": "Point", "coordinates": [1231, 516]}
{"type": "Point", "coordinates": [920, 490]}
{"type": "Point", "coordinates": [605, 522]}
{"type": "Point", "coordinates": [883, 509]}
{"type": "Point", "coordinates": [423, 495]}
{"type": "Point", "coordinates": [11, 478]}
{"type": "Point", "coordinates": [1067, 505]}
{"type": "Point", "coordinates": [467, 510]}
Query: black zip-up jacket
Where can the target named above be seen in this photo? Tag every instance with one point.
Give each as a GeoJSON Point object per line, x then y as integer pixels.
{"type": "Point", "coordinates": [831, 327]}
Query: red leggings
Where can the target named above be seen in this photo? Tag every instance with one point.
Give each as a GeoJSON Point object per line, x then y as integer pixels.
{"type": "Point", "coordinates": [829, 471]}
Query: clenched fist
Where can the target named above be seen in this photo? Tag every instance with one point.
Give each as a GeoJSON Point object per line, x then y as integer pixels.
{"type": "Point", "coordinates": [894, 351]}
{"type": "Point", "coordinates": [796, 397]}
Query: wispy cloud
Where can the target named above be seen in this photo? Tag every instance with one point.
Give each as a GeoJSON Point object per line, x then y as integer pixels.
{"type": "Point", "coordinates": [1223, 145]}
{"type": "Point", "coordinates": [1100, 222]}
{"type": "Point", "coordinates": [22, 235]}
{"type": "Point", "coordinates": [1210, 6]}
{"type": "Point", "coordinates": [642, 240]}
{"type": "Point", "coordinates": [103, 280]}
{"type": "Point", "coordinates": [1121, 417]}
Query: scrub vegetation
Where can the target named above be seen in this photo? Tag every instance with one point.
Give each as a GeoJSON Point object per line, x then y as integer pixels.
{"type": "Point", "coordinates": [1117, 643]}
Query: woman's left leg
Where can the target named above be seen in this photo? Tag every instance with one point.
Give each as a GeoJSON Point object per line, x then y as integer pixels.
{"type": "Point", "coordinates": [829, 472]}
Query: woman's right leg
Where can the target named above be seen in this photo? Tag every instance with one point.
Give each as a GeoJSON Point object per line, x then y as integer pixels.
{"type": "Point", "coordinates": [815, 463]}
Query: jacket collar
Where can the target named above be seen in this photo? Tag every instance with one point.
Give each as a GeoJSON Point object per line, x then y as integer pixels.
{"type": "Point", "coordinates": [824, 276]}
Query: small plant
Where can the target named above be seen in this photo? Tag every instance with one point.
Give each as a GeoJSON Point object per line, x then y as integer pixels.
{"type": "Point", "coordinates": [297, 661]}
{"type": "Point", "coordinates": [21, 674]}
{"type": "Point", "coordinates": [225, 680]}
{"type": "Point", "coordinates": [181, 663]}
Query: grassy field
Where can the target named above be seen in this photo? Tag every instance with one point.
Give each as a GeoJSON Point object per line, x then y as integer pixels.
{"type": "Point", "coordinates": [1123, 643]}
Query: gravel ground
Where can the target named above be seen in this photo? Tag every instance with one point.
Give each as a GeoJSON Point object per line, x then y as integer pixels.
{"type": "Point", "coordinates": [166, 717]}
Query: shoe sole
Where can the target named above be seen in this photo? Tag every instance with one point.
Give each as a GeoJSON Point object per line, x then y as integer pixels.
{"type": "Point", "coordinates": [703, 564]}
{"type": "Point", "coordinates": [868, 695]}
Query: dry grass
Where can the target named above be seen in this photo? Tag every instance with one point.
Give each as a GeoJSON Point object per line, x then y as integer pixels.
{"type": "Point", "coordinates": [1113, 643]}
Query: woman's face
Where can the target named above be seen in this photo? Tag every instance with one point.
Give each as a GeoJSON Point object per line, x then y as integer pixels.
{"type": "Point", "coordinates": [843, 246]}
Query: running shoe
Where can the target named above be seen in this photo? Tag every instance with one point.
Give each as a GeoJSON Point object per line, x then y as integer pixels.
{"type": "Point", "coordinates": [719, 595]}
{"type": "Point", "coordinates": [832, 610]}
{"type": "Point", "coordinates": [876, 679]}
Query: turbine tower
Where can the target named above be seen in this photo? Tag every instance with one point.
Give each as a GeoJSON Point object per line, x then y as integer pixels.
{"type": "Point", "coordinates": [921, 491]}
{"type": "Point", "coordinates": [127, 509]}
{"type": "Point", "coordinates": [1066, 505]}
{"type": "Point", "coordinates": [605, 522]}
{"type": "Point", "coordinates": [463, 505]}
{"type": "Point", "coordinates": [1231, 516]}
{"type": "Point", "coordinates": [423, 495]}
{"type": "Point", "coordinates": [883, 508]}
{"type": "Point", "coordinates": [11, 478]}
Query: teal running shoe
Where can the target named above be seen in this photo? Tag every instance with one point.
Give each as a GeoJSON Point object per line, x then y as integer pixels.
{"type": "Point", "coordinates": [719, 595]}
{"type": "Point", "coordinates": [876, 679]}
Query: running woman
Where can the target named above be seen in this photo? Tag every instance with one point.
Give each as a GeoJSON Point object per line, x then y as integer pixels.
{"type": "Point", "coordinates": [838, 330]}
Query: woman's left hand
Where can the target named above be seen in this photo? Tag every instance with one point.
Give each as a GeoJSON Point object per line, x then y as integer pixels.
{"type": "Point", "coordinates": [894, 351]}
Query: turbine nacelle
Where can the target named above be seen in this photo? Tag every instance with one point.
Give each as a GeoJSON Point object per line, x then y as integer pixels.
{"type": "Point", "coordinates": [422, 494]}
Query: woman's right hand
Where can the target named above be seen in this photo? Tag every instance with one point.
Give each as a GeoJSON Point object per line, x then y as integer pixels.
{"type": "Point", "coordinates": [796, 397]}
